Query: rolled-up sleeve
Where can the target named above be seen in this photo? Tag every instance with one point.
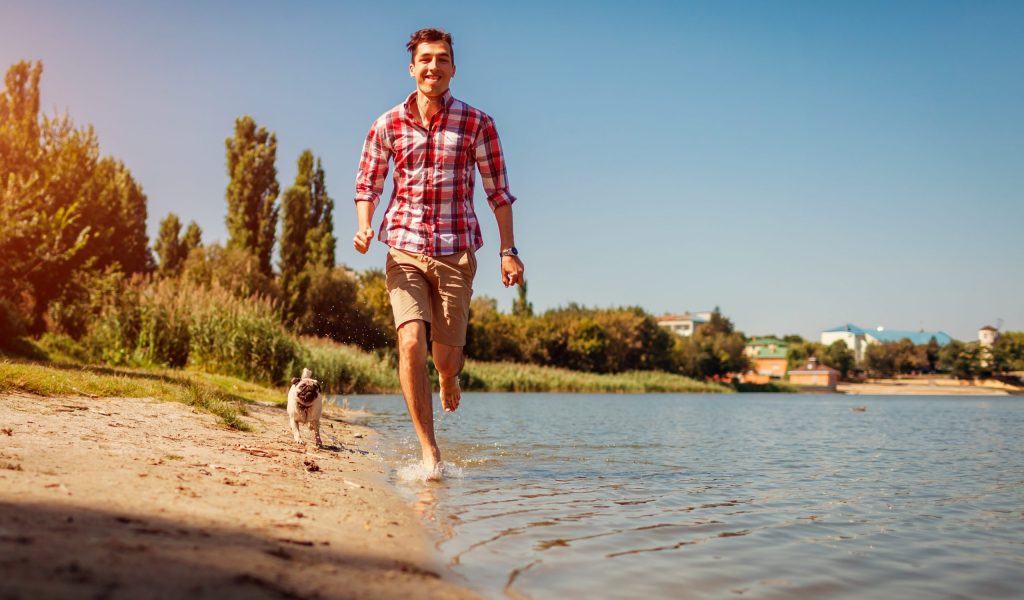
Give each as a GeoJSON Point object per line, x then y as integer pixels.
{"type": "Point", "coordinates": [373, 164]}
{"type": "Point", "coordinates": [491, 162]}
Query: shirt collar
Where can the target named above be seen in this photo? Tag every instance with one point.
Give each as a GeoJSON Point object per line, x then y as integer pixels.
{"type": "Point", "coordinates": [448, 99]}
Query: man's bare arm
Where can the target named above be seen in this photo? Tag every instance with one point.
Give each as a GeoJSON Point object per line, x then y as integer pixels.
{"type": "Point", "coordinates": [511, 266]}
{"type": "Point", "coordinates": [364, 235]}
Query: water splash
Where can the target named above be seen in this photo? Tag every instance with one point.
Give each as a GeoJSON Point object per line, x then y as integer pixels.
{"type": "Point", "coordinates": [417, 471]}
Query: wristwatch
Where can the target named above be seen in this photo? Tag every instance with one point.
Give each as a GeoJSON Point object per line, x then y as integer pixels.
{"type": "Point", "coordinates": [511, 251]}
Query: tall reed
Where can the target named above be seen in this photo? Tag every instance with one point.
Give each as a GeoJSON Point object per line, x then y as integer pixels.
{"type": "Point", "coordinates": [239, 337]}
{"type": "Point", "coordinates": [517, 377]}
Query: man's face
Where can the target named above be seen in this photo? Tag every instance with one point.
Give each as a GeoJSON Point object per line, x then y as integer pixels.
{"type": "Point", "coordinates": [432, 68]}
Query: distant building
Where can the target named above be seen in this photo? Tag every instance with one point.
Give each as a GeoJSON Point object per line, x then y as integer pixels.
{"type": "Point", "coordinates": [857, 339]}
{"type": "Point", "coordinates": [815, 375]}
{"type": "Point", "coordinates": [768, 357]}
{"type": "Point", "coordinates": [684, 324]}
{"type": "Point", "coordinates": [987, 336]}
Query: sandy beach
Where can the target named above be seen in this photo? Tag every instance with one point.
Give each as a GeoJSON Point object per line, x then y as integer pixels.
{"type": "Point", "coordinates": [138, 498]}
{"type": "Point", "coordinates": [926, 387]}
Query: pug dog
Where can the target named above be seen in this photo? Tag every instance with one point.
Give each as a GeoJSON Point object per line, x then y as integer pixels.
{"type": "Point", "coordinates": [305, 405]}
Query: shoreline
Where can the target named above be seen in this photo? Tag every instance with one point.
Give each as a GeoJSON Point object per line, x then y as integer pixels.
{"type": "Point", "coordinates": [128, 497]}
{"type": "Point", "coordinates": [925, 387]}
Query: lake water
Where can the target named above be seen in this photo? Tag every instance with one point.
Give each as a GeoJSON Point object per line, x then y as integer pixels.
{"type": "Point", "coordinates": [705, 496]}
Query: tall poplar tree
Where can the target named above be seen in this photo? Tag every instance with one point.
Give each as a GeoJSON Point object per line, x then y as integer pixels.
{"type": "Point", "coordinates": [321, 238]}
{"type": "Point", "coordinates": [252, 190]}
{"type": "Point", "coordinates": [172, 248]}
{"type": "Point", "coordinates": [295, 227]}
{"type": "Point", "coordinates": [168, 246]}
{"type": "Point", "coordinates": [193, 238]}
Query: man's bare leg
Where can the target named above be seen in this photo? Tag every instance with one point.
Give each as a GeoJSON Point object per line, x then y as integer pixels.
{"type": "Point", "coordinates": [449, 361]}
{"type": "Point", "coordinates": [412, 372]}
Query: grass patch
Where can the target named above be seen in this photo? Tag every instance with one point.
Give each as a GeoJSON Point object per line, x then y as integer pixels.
{"type": "Point", "coordinates": [347, 369]}
{"type": "Point", "coordinates": [342, 369]}
{"type": "Point", "coordinates": [212, 394]}
{"type": "Point", "coordinates": [517, 377]}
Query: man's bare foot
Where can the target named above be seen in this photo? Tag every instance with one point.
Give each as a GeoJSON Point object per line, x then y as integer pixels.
{"type": "Point", "coordinates": [451, 393]}
{"type": "Point", "coordinates": [432, 464]}
{"type": "Point", "coordinates": [434, 473]}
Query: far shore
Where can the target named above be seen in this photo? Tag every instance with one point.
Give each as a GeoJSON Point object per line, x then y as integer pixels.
{"type": "Point", "coordinates": [128, 497]}
{"type": "Point", "coordinates": [934, 386]}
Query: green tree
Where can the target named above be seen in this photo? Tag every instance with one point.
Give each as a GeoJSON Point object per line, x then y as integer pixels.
{"type": "Point", "coordinates": [839, 356]}
{"type": "Point", "coordinates": [960, 360]}
{"type": "Point", "coordinates": [63, 209]}
{"type": "Point", "coordinates": [20, 151]}
{"type": "Point", "coordinates": [295, 225]}
{"type": "Point", "coordinates": [168, 246]}
{"type": "Point", "coordinates": [493, 336]}
{"type": "Point", "coordinates": [233, 269]}
{"type": "Point", "coordinates": [193, 237]}
{"type": "Point", "coordinates": [880, 360]}
{"type": "Point", "coordinates": [321, 238]}
{"type": "Point", "coordinates": [335, 310]}
{"type": "Point", "coordinates": [116, 211]}
{"type": "Point", "coordinates": [801, 351]}
{"type": "Point", "coordinates": [1008, 352]}
{"type": "Point", "coordinates": [373, 296]}
{"type": "Point", "coordinates": [931, 354]}
{"type": "Point", "coordinates": [714, 351]}
{"type": "Point", "coordinates": [909, 358]}
{"type": "Point", "coordinates": [521, 307]}
{"type": "Point", "coordinates": [252, 191]}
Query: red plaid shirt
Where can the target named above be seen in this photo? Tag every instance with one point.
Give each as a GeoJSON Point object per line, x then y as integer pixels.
{"type": "Point", "coordinates": [431, 208]}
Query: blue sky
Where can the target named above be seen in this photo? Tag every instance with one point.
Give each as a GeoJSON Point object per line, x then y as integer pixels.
{"type": "Point", "coordinates": [799, 164]}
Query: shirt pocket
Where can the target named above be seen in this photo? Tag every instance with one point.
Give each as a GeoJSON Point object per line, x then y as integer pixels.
{"type": "Point", "coordinates": [453, 146]}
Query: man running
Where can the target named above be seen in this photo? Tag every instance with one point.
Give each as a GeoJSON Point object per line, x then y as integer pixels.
{"type": "Point", "coordinates": [436, 144]}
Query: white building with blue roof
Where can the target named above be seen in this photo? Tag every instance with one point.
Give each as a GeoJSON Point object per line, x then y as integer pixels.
{"type": "Point", "coordinates": [857, 338]}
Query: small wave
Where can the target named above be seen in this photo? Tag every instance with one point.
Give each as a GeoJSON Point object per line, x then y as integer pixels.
{"type": "Point", "coordinates": [417, 471]}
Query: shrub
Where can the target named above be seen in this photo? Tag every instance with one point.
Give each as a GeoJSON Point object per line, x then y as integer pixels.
{"type": "Point", "coordinates": [336, 309]}
{"type": "Point", "coordinates": [164, 332]}
{"type": "Point", "coordinates": [345, 369]}
{"type": "Point", "coordinates": [239, 337]}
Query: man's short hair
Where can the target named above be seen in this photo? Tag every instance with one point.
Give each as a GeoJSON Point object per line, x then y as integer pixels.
{"type": "Point", "coordinates": [429, 35]}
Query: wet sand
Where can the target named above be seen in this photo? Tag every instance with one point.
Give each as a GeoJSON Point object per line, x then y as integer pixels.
{"type": "Point", "coordinates": [138, 498]}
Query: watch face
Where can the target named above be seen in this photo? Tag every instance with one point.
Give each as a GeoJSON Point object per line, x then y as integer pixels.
{"type": "Point", "coordinates": [510, 252]}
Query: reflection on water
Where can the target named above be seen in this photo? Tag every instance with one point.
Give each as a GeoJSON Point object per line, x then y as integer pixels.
{"type": "Point", "coordinates": [706, 496]}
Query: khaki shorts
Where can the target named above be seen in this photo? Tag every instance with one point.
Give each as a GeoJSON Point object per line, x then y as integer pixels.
{"type": "Point", "coordinates": [435, 289]}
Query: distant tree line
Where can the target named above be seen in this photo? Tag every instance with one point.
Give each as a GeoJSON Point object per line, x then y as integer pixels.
{"type": "Point", "coordinates": [970, 360]}
{"type": "Point", "coordinates": [602, 340]}
{"type": "Point", "coordinates": [837, 355]}
{"type": "Point", "coordinates": [963, 360]}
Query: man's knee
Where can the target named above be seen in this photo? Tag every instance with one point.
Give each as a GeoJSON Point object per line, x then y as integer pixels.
{"type": "Point", "coordinates": [412, 340]}
{"type": "Point", "coordinates": [447, 359]}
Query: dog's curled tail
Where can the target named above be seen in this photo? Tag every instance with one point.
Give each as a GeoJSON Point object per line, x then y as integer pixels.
{"type": "Point", "coordinates": [307, 374]}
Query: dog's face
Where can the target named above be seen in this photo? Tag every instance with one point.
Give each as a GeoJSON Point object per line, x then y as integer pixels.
{"type": "Point", "coordinates": [306, 389]}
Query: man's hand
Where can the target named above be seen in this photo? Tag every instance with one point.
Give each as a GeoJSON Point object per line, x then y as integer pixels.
{"type": "Point", "coordinates": [511, 271]}
{"type": "Point", "coordinates": [362, 240]}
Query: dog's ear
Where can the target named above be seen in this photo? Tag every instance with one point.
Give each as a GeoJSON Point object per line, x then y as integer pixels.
{"type": "Point", "coordinates": [295, 380]}
{"type": "Point", "coordinates": [319, 388]}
